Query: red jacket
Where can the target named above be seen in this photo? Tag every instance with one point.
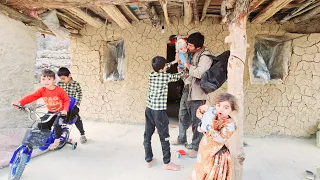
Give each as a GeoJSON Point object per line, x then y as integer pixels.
{"type": "Point", "coordinates": [56, 100]}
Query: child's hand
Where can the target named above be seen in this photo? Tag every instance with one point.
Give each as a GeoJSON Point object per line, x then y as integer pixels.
{"type": "Point", "coordinates": [16, 103]}
{"type": "Point", "coordinates": [200, 130]}
{"type": "Point", "coordinates": [179, 69]}
{"type": "Point", "coordinates": [64, 112]}
{"type": "Point", "coordinates": [201, 110]}
{"type": "Point", "coordinates": [187, 65]}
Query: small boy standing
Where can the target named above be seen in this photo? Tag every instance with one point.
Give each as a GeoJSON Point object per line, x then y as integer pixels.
{"type": "Point", "coordinates": [156, 115]}
{"type": "Point", "coordinates": [73, 89]}
{"type": "Point", "coordinates": [56, 100]}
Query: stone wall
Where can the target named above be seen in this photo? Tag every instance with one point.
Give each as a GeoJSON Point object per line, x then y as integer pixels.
{"type": "Point", "coordinates": [17, 61]}
{"type": "Point", "coordinates": [284, 109]}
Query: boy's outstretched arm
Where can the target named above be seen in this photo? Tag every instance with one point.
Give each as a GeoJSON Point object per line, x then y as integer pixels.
{"type": "Point", "coordinates": [175, 77]}
{"type": "Point", "coordinates": [79, 94]}
{"type": "Point", "coordinates": [31, 97]}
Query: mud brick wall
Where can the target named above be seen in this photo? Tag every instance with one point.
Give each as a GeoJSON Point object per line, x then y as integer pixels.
{"type": "Point", "coordinates": [283, 109]}
{"type": "Point", "coordinates": [17, 61]}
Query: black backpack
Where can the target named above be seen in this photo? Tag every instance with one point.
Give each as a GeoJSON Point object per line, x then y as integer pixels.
{"type": "Point", "coordinates": [213, 79]}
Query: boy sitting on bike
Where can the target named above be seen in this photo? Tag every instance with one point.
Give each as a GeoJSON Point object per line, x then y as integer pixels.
{"type": "Point", "coordinates": [56, 100]}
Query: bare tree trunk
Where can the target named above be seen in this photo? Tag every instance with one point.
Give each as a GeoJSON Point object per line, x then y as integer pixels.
{"type": "Point", "coordinates": [238, 46]}
{"type": "Point", "coordinates": [236, 20]}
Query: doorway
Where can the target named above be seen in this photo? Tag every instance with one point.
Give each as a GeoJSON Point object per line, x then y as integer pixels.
{"type": "Point", "coordinates": [174, 88]}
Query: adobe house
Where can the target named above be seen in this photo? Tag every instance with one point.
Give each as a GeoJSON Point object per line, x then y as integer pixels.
{"type": "Point", "coordinates": [113, 42]}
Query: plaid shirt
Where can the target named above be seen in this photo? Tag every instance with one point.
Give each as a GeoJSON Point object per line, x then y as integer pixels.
{"type": "Point", "coordinates": [73, 89]}
{"type": "Point", "coordinates": [158, 88]}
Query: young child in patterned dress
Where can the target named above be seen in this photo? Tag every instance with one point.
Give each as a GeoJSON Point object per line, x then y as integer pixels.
{"type": "Point", "coordinates": [214, 159]}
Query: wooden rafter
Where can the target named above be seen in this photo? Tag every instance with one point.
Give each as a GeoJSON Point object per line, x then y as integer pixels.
{"type": "Point", "coordinates": [55, 4]}
{"type": "Point", "coordinates": [175, 3]}
{"type": "Point", "coordinates": [153, 15]}
{"type": "Point", "coordinates": [187, 12]}
{"type": "Point", "coordinates": [299, 10]}
{"type": "Point", "coordinates": [22, 17]}
{"type": "Point", "coordinates": [87, 18]}
{"type": "Point", "coordinates": [125, 9]}
{"type": "Point", "coordinates": [312, 13]}
{"type": "Point", "coordinates": [195, 11]}
{"type": "Point", "coordinates": [270, 10]}
{"type": "Point", "coordinates": [164, 5]}
{"type": "Point", "coordinates": [205, 8]}
{"type": "Point", "coordinates": [100, 12]}
{"type": "Point", "coordinates": [116, 16]}
{"type": "Point", "coordinates": [69, 21]}
{"type": "Point", "coordinates": [254, 4]}
{"type": "Point", "coordinates": [74, 17]}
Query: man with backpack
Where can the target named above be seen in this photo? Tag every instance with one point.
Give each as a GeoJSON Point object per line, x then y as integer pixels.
{"type": "Point", "coordinates": [201, 62]}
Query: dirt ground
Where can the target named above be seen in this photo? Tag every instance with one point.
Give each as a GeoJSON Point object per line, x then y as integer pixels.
{"type": "Point", "coordinates": [115, 152]}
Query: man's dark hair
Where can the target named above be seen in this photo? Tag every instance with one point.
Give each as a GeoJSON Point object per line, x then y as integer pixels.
{"type": "Point", "coordinates": [48, 73]}
{"type": "Point", "coordinates": [158, 63]}
{"type": "Point", "coordinates": [63, 72]}
{"type": "Point", "coordinates": [197, 39]}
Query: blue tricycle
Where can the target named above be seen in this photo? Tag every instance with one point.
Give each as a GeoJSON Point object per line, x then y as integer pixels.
{"type": "Point", "coordinates": [37, 138]}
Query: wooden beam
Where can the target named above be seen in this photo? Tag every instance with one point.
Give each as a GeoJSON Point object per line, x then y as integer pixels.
{"type": "Point", "coordinates": [187, 12]}
{"type": "Point", "coordinates": [153, 15]}
{"type": "Point", "coordinates": [301, 9]}
{"type": "Point", "coordinates": [270, 10]}
{"type": "Point", "coordinates": [87, 18]}
{"type": "Point", "coordinates": [21, 17]}
{"type": "Point", "coordinates": [205, 8]}
{"type": "Point", "coordinates": [175, 3]}
{"type": "Point", "coordinates": [69, 21]}
{"type": "Point", "coordinates": [236, 20]}
{"type": "Point", "coordinates": [312, 13]}
{"type": "Point", "coordinates": [116, 16]}
{"type": "Point", "coordinates": [254, 4]}
{"type": "Point", "coordinates": [164, 5]}
{"type": "Point", "coordinates": [100, 12]}
{"type": "Point", "coordinates": [195, 11]}
{"type": "Point", "coordinates": [129, 12]}
{"type": "Point", "coordinates": [57, 4]}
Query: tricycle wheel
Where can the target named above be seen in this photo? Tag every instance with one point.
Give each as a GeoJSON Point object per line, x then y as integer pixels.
{"type": "Point", "coordinates": [74, 145]}
{"type": "Point", "coordinates": [63, 139]}
{"type": "Point", "coordinates": [18, 165]}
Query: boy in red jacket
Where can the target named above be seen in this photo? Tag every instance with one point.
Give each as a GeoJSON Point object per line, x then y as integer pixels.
{"type": "Point", "coordinates": [56, 100]}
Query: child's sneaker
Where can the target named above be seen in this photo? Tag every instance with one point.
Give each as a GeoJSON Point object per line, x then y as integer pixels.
{"type": "Point", "coordinates": [83, 139]}
{"type": "Point", "coordinates": [55, 144]}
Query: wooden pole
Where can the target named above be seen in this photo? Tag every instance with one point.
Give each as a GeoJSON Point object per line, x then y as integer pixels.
{"type": "Point", "coordinates": [236, 20]}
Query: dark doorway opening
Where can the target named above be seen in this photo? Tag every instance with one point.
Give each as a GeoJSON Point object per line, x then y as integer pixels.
{"type": "Point", "coordinates": [174, 88]}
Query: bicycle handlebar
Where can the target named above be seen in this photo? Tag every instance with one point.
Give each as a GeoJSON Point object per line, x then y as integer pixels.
{"type": "Point", "coordinates": [30, 111]}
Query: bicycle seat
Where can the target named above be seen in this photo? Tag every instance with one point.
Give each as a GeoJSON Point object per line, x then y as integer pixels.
{"type": "Point", "coordinates": [72, 103]}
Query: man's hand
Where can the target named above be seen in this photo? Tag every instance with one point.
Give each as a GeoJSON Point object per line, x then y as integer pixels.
{"type": "Point", "coordinates": [187, 65]}
{"type": "Point", "coordinates": [201, 110]}
{"type": "Point", "coordinates": [64, 112]}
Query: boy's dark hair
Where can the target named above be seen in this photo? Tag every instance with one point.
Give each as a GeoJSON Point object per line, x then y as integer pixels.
{"type": "Point", "coordinates": [63, 72]}
{"type": "Point", "coordinates": [158, 63]}
{"type": "Point", "coordinates": [48, 73]}
{"type": "Point", "coordinates": [197, 39]}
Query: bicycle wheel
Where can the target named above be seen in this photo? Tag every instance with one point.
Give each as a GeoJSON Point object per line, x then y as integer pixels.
{"type": "Point", "coordinates": [18, 165]}
{"type": "Point", "coordinates": [63, 139]}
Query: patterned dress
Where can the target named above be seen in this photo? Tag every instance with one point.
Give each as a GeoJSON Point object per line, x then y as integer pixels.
{"type": "Point", "coordinates": [214, 159]}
